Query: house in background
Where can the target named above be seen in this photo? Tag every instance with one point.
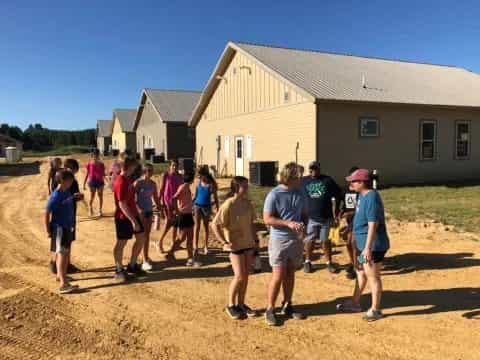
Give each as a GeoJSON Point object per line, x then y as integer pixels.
{"type": "Point", "coordinates": [414, 122]}
{"type": "Point", "coordinates": [123, 133]}
{"type": "Point", "coordinates": [104, 135]}
{"type": "Point", "coordinates": [7, 141]}
{"type": "Point", "coordinates": [162, 123]}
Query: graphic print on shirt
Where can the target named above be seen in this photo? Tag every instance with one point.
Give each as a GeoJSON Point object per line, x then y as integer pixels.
{"type": "Point", "coordinates": [350, 201]}
{"type": "Point", "coordinates": [316, 190]}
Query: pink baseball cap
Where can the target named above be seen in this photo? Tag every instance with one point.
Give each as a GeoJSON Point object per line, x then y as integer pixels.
{"type": "Point", "coordinates": [359, 175]}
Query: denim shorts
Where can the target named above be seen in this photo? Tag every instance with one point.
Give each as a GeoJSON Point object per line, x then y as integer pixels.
{"type": "Point", "coordinates": [202, 211]}
{"type": "Point", "coordinates": [95, 184]}
{"type": "Point", "coordinates": [318, 230]}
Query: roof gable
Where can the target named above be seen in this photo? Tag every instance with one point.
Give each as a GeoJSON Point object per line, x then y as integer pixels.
{"type": "Point", "coordinates": [126, 119]}
{"type": "Point", "coordinates": [104, 128]}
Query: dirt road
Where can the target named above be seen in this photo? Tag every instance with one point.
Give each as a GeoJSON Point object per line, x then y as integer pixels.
{"type": "Point", "coordinates": [432, 299]}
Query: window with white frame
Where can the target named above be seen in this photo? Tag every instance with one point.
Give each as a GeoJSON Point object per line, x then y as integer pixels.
{"type": "Point", "coordinates": [428, 139]}
{"type": "Point", "coordinates": [462, 139]}
{"type": "Point", "coordinates": [248, 146]}
{"type": "Point", "coordinates": [369, 127]}
{"type": "Point", "coordinates": [226, 146]}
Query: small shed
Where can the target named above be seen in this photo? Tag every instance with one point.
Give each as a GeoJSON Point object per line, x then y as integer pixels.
{"type": "Point", "coordinates": [123, 131]}
{"type": "Point", "coordinates": [7, 141]}
{"type": "Point", "coordinates": [104, 135]}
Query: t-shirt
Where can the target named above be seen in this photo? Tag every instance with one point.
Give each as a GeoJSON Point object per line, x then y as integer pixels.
{"type": "Point", "coordinates": [60, 204]}
{"type": "Point", "coordinates": [236, 216]}
{"type": "Point", "coordinates": [124, 190]}
{"type": "Point", "coordinates": [319, 193]}
{"type": "Point", "coordinates": [184, 199]}
{"type": "Point", "coordinates": [370, 209]}
{"type": "Point", "coordinates": [145, 192]}
{"type": "Point", "coordinates": [96, 171]}
{"type": "Point", "coordinates": [286, 205]}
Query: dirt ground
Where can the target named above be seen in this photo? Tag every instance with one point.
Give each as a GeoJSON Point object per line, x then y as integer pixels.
{"type": "Point", "coordinates": [432, 298]}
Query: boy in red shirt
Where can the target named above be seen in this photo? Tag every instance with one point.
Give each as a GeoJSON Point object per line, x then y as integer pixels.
{"type": "Point", "coordinates": [127, 221]}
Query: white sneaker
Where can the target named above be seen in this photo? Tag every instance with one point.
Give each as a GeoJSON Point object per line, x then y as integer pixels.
{"type": "Point", "coordinates": [100, 213]}
{"type": "Point", "coordinates": [146, 266]}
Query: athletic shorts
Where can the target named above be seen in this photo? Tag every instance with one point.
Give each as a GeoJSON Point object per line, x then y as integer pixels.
{"type": "Point", "coordinates": [60, 239]}
{"type": "Point", "coordinates": [377, 256]}
{"type": "Point", "coordinates": [148, 214]}
{"type": "Point", "coordinates": [124, 228]}
{"type": "Point", "coordinates": [184, 221]}
{"type": "Point", "coordinates": [95, 184]}
{"type": "Point", "coordinates": [318, 231]}
{"type": "Point", "coordinates": [203, 211]}
{"type": "Point", "coordinates": [241, 252]}
{"type": "Point", "coordinates": [281, 251]}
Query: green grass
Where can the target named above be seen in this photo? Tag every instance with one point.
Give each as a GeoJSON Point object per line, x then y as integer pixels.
{"type": "Point", "coordinates": [60, 151]}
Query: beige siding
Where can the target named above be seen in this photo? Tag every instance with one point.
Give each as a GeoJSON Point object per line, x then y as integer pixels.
{"type": "Point", "coordinates": [118, 137]}
{"type": "Point", "coordinates": [274, 133]}
{"type": "Point", "coordinates": [103, 143]}
{"type": "Point", "coordinates": [151, 130]}
{"type": "Point", "coordinates": [395, 153]}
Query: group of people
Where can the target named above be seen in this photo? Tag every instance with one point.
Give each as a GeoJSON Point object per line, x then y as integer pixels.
{"type": "Point", "coordinates": [299, 213]}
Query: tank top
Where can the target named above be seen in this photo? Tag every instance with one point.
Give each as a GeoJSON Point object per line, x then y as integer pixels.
{"type": "Point", "coordinates": [172, 183]}
{"type": "Point", "coordinates": [96, 171]}
{"type": "Point", "coordinates": [145, 191]}
{"type": "Point", "coordinates": [203, 195]}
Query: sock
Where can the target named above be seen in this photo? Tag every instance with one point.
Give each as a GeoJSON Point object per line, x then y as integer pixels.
{"type": "Point", "coordinates": [118, 266]}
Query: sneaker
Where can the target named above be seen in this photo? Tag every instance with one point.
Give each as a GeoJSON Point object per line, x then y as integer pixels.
{"type": "Point", "coordinates": [348, 307]}
{"type": "Point", "coordinates": [147, 265]}
{"type": "Point", "coordinates": [53, 267]}
{"type": "Point", "coordinates": [271, 318]}
{"type": "Point", "coordinates": [72, 269]}
{"type": "Point", "coordinates": [170, 256]}
{"type": "Point", "coordinates": [332, 268]}
{"type": "Point", "coordinates": [288, 311]}
{"type": "Point", "coordinates": [67, 289]}
{"type": "Point", "coordinates": [234, 312]}
{"type": "Point", "coordinates": [205, 251]}
{"type": "Point", "coordinates": [373, 315]}
{"type": "Point", "coordinates": [351, 275]}
{"type": "Point", "coordinates": [100, 213]}
{"type": "Point", "coordinates": [121, 276]}
{"type": "Point", "coordinates": [189, 262]}
{"type": "Point", "coordinates": [248, 311]}
{"type": "Point", "coordinates": [307, 267]}
{"type": "Point", "coordinates": [136, 270]}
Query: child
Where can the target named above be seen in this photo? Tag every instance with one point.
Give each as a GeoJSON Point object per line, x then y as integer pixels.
{"type": "Point", "coordinates": [146, 190]}
{"type": "Point", "coordinates": [95, 176]}
{"type": "Point", "coordinates": [236, 218]}
{"type": "Point", "coordinates": [115, 170]}
{"type": "Point", "coordinates": [55, 165]}
{"type": "Point", "coordinates": [73, 166]}
{"type": "Point", "coordinates": [59, 223]}
{"type": "Point", "coordinates": [127, 222]}
{"type": "Point", "coordinates": [183, 207]}
{"type": "Point", "coordinates": [206, 187]}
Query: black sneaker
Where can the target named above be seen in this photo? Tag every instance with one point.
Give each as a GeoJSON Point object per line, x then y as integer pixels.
{"type": "Point", "coordinates": [271, 318]}
{"type": "Point", "coordinates": [72, 269]}
{"type": "Point", "coordinates": [121, 276]}
{"type": "Point", "coordinates": [332, 268]}
{"type": "Point", "coordinates": [247, 311]}
{"type": "Point", "coordinates": [234, 312]}
{"type": "Point", "coordinates": [288, 311]}
{"type": "Point", "coordinates": [53, 267]}
{"type": "Point", "coordinates": [136, 270]}
{"type": "Point", "coordinates": [307, 267]}
{"type": "Point", "coordinates": [351, 275]}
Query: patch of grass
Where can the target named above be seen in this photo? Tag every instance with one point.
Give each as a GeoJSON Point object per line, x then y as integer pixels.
{"type": "Point", "coordinates": [257, 195]}
{"type": "Point", "coordinates": [60, 151]}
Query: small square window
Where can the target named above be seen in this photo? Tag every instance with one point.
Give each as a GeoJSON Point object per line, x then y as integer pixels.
{"type": "Point", "coordinates": [369, 127]}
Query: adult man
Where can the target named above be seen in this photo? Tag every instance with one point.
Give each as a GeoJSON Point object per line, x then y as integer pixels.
{"type": "Point", "coordinates": [319, 190]}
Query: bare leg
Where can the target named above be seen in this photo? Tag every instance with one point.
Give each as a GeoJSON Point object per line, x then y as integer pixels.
{"type": "Point", "coordinates": [278, 273]}
{"type": "Point", "coordinates": [92, 197]}
{"type": "Point", "coordinates": [118, 253]}
{"type": "Point", "coordinates": [327, 250]}
{"type": "Point", "coordinates": [168, 226]}
{"type": "Point", "coordinates": [137, 247]}
{"type": "Point", "coordinates": [372, 271]}
{"type": "Point", "coordinates": [308, 249]}
{"type": "Point", "coordinates": [288, 282]}
{"type": "Point", "coordinates": [237, 281]}
{"type": "Point", "coordinates": [147, 225]}
{"type": "Point", "coordinates": [205, 226]}
{"type": "Point", "coordinates": [246, 263]}
{"type": "Point", "coordinates": [61, 266]}
{"type": "Point", "coordinates": [350, 250]}
{"type": "Point", "coordinates": [100, 199]}
{"type": "Point", "coordinates": [197, 229]}
{"type": "Point", "coordinates": [189, 235]}
{"type": "Point", "coordinates": [360, 284]}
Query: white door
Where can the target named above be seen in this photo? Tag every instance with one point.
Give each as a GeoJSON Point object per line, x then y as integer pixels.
{"type": "Point", "coordinates": [239, 156]}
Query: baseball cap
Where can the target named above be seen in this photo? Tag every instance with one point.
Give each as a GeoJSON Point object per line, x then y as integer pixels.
{"type": "Point", "coordinates": [359, 175]}
{"type": "Point", "coordinates": [314, 165]}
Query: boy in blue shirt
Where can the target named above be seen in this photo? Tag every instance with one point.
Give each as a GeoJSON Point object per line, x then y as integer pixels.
{"type": "Point", "coordinates": [60, 226]}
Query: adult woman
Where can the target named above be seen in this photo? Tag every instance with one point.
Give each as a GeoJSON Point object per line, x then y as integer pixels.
{"type": "Point", "coordinates": [95, 176]}
{"type": "Point", "coordinates": [234, 226]}
{"type": "Point", "coordinates": [285, 212]}
{"type": "Point", "coordinates": [171, 181]}
{"type": "Point", "coordinates": [207, 186]}
{"type": "Point", "coordinates": [372, 244]}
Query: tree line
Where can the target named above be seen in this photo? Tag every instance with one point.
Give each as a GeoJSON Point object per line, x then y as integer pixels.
{"type": "Point", "coordinates": [38, 138]}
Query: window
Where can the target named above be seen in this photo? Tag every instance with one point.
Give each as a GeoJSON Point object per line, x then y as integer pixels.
{"type": "Point", "coordinates": [226, 146]}
{"type": "Point", "coordinates": [428, 140]}
{"type": "Point", "coordinates": [286, 97]}
{"type": "Point", "coordinates": [239, 149]}
{"type": "Point", "coordinates": [248, 149]}
{"type": "Point", "coordinates": [462, 139]}
{"type": "Point", "coordinates": [369, 127]}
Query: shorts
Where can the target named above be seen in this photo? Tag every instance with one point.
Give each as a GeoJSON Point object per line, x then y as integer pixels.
{"type": "Point", "coordinates": [61, 239]}
{"type": "Point", "coordinates": [184, 221]}
{"type": "Point", "coordinates": [377, 256]}
{"type": "Point", "coordinates": [95, 184]}
{"type": "Point", "coordinates": [202, 211]}
{"type": "Point", "coordinates": [242, 251]}
{"type": "Point", "coordinates": [124, 228]}
{"type": "Point", "coordinates": [147, 214]}
{"type": "Point", "coordinates": [281, 251]}
{"type": "Point", "coordinates": [318, 231]}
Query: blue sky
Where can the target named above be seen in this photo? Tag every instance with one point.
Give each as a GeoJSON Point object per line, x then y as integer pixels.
{"type": "Point", "coordinates": [67, 63]}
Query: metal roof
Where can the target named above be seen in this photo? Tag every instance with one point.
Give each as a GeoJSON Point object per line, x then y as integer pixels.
{"type": "Point", "coordinates": [174, 106]}
{"type": "Point", "coordinates": [126, 118]}
{"type": "Point", "coordinates": [330, 76]}
{"type": "Point", "coordinates": [104, 128]}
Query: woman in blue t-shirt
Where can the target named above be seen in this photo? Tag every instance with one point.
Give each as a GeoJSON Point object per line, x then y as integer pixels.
{"type": "Point", "coordinates": [372, 243]}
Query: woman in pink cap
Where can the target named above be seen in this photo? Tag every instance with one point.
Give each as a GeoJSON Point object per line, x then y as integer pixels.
{"type": "Point", "coordinates": [372, 243]}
